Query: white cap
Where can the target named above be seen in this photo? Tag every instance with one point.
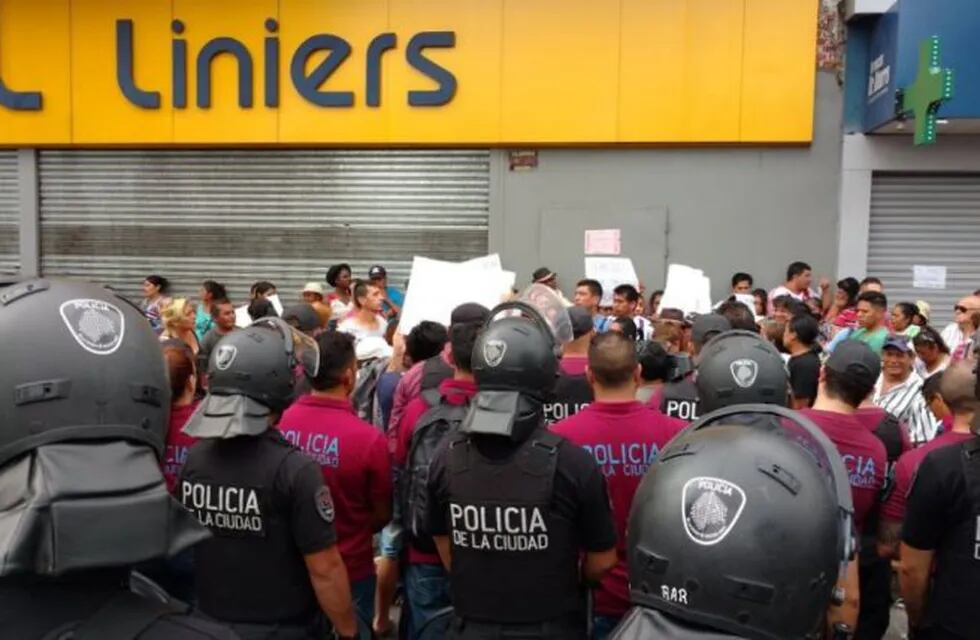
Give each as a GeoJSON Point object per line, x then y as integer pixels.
{"type": "Point", "coordinates": [314, 287]}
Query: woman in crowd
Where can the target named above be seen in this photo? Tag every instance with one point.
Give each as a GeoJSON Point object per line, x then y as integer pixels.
{"type": "Point", "coordinates": [843, 312]}
{"type": "Point", "coordinates": [655, 299]}
{"type": "Point", "coordinates": [341, 299]}
{"type": "Point", "coordinates": [210, 291]}
{"type": "Point", "coordinates": [903, 319]}
{"type": "Point", "coordinates": [179, 318]}
{"type": "Point", "coordinates": [183, 387]}
{"type": "Point", "coordinates": [155, 290]}
{"type": "Point", "coordinates": [932, 351]}
{"type": "Point", "coordinates": [761, 298]}
{"type": "Point", "coordinates": [262, 289]}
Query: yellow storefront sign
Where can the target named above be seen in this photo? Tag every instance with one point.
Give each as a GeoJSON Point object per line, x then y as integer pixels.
{"type": "Point", "coordinates": [406, 72]}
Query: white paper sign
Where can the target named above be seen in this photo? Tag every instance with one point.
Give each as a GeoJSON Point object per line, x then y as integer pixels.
{"type": "Point", "coordinates": [436, 287]}
{"type": "Point", "coordinates": [242, 319]}
{"type": "Point", "coordinates": [603, 242]}
{"type": "Point", "coordinates": [276, 303]}
{"type": "Point", "coordinates": [688, 289]}
{"type": "Point", "coordinates": [928, 277]}
{"type": "Point", "coordinates": [611, 272]}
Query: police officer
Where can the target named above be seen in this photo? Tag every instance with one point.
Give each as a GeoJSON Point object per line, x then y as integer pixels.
{"type": "Point", "coordinates": [572, 391]}
{"type": "Point", "coordinates": [680, 397]}
{"type": "Point", "coordinates": [940, 551]}
{"type": "Point", "coordinates": [512, 505]}
{"type": "Point", "coordinates": [765, 531]}
{"type": "Point", "coordinates": [740, 367]}
{"type": "Point", "coordinates": [82, 498]}
{"type": "Point", "coordinates": [273, 566]}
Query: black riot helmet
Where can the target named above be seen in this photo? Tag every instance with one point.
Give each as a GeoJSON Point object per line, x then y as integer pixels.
{"type": "Point", "coordinates": [764, 530]}
{"type": "Point", "coordinates": [82, 426]}
{"type": "Point", "coordinates": [252, 374]}
{"type": "Point", "coordinates": [740, 367]}
{"type": "Point", "coordinates": [515, 364]}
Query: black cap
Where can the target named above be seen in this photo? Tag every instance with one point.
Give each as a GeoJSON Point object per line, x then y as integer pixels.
{"type": "Point", "coordinates": [377, 272]}
{"type": "Point", "coordinates": [856, 360]}
{"type": "Point", "coordinates": [581, 321]}
{"type": "Point", "coordinates": [543, 274]}
{"type": "Point", "coordinates": [469, 312]}
{"type": "Point", "coordinates": [303, 316]}
{"type": "Point", "coordinates": [707, 326]}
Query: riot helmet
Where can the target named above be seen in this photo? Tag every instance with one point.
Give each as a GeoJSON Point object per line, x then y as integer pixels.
{"type": "Point", "coordinates": [82, 431]}
{"type": "Point", "coordinates": [252, 375]}
{"type": "Point", "coordinates": [515, 364]}
{"type": "Point", "coordinates": [740, 367]}
{"type": "Point", "coordinates": [765, 527]}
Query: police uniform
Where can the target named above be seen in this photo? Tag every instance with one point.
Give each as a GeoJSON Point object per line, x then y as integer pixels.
{"type": "Point", "coordinates": [679, 399]}
{"type": "Point", "coordinates": [518, 520]}
{"type": "Point", "coordinates": [943, 514]}
{"type": "Point", "coordinates": [267, 506]}
{"type": "Point", "coordinates": [517, 503]}
{"type": "Point", "coordinates": [572, 392]}
{"type": "Point", "coordinates": [82, 432]}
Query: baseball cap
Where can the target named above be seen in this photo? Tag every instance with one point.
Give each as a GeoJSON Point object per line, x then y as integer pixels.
{"type": "Point", "coordinates": [542, 274]}
{"type": "Point", "coordinates": [313, 287]}
{"type": "Point", "coordinates": [856, 360]}
{"type": "Point", "coordinates": [581, 321]}
{"type": "Point", "coordinates": [707, 326]}
{"type": "Point", "coordinates": [302, 316]}
{"type": "Point", "coordinates": [899, 342]}
{"type": "Point", "coordinates": [469, 312]}
{"type": "Point", "coordinates": [925, 309]}
{"type": "Point", "coordinates": [377, 272]}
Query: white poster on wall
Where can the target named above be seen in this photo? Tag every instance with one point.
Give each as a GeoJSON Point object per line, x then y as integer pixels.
{"type": "Point", "coordinates": [928, 277]}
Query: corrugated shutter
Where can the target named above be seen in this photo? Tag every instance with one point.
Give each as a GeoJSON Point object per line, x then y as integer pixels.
{"type": "Point", "coordinates": [9, 215]}
{"type": "Point", "coordinates": [926, 219]}
{"type": "Point", "coordinates": [240, 216]}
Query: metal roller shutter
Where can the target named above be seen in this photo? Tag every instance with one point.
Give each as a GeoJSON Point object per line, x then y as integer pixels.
{"type": "Point", "coordinates": [926, 219]}
{"type": "Point", "coordinates": [9, 215]}
{"type": "Point", "coordinates": [240, 216]}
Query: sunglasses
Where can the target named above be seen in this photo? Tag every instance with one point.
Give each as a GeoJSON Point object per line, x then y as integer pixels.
{"type": "Point", "coordinates": [961, 309]}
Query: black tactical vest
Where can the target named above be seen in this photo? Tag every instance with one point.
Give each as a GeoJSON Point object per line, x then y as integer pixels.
{"type": "Point", "coordinates": [434, 371]}
{"type": "Point", "coordinates": [680, 399]}
{"type": "Point", "coordinates": [251, 571]}
{"type": "Point", "coordinates": [958, 556]}
{"type": "Point", "coordinates": [515, 559]}
{"type": "Point", "coordinates": [572, 394]}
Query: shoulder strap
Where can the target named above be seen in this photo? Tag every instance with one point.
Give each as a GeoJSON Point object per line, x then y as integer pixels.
{"type": "Point", "coordinates": [971, 470]}
{"type": "Point", "coordinates": [432, 397]}
{"type": "Point", "coordinates": [123, 617]}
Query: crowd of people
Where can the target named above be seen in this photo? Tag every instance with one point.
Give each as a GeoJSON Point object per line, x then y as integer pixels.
{"type": "Point", "coordinates": [486, 474]}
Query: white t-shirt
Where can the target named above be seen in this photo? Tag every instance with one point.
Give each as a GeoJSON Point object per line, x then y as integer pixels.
{"type": "Point", "coordinates": [351, 326]}
{"type": "Point", "coordinates": [953, 337]}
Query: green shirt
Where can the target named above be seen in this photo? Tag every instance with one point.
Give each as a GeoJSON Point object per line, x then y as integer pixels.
{"type": "Point", "coordinates": [874, 339]}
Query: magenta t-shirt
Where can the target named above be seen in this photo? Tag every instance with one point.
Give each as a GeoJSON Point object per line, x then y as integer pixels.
{"type": "Point", "coordinates": [871, 417]}
{"type": "Point", "coordinates": [574, 365]}
{"type": "Point", "coordinates": [178, 444]}
{"type": "Point", "coordinates": [353, 456]}
{"type": "Point", "coordinates": [864, 456]}
{"type": "Point", "coordinates": [894, 507]}
{"type": "Point", "coordinates": [625, 439]}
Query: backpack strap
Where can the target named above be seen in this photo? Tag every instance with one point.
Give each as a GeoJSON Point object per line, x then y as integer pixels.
{"type": "Point", "coordinates": [124, 616]}
{"type": "Point", "coordinates": [971, 471]}
{"type": "Point", "coordinates": [432, 397]}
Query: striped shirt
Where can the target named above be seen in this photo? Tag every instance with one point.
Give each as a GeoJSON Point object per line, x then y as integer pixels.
{"type": "Point", "coordinates": [905, 402]}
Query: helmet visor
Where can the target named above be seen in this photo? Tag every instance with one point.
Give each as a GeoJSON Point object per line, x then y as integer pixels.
{"type": "Point", "coordinates": [552, 310]}
{"type": "Point", "coordinates": [302, 350]}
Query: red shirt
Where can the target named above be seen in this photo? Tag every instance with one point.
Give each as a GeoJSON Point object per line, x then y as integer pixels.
{"type": "Point", "coordinates": [863, 454]}
{"type": "Point", "coordinates": [456, 392]}
{"type": "Point", "coordinates": [178, 444]}
{"type": "Point", "coordinates": [871, 417]}
{"type": "Point", "coordinates": [625, 439]}
{"type": "Point", "coordinates": [574, 365]}
{"type": "Point", "coordinates": [353, 457]}
{"type": "Point", "coordinates": [894, 507]}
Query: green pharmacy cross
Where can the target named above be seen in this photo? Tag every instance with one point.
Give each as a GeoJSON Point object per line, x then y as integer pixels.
{"type": "Point", "coordinates": [932, 86]}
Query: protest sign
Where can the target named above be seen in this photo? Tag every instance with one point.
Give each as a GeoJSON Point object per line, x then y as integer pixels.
{"type": "Point", "coordinates": [611, 272]}
{"type": "Point", "coordinates": [687, 289]}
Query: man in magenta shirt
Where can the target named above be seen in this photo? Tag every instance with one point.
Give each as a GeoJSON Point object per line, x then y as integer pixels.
{"type": "Point", "coordinates": [957, 388]}
{"type": "Point", "coordinates": [847, 378]}
{"type": "Point", "coordinates": [353, 456]}
{"type": "Point", "coordinates": [426, 580]}
{"type": "Point", "coordinates": [625, 437]}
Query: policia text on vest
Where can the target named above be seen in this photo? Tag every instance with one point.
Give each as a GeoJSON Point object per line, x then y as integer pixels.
{"type": "Point", "coordinates": [308, 82]}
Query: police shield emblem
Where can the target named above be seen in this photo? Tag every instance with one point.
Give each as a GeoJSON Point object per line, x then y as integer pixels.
{"type": "Point", "coordinates": [493, 352]}
{"type": "Point", "coordinates": [744, 372]}
{"type": "Point", "coordinates": [224, 356]}
{"type": "Point", "coordinates": [711, 507]}
{"type": "Point", "coordinates": [96, 325]}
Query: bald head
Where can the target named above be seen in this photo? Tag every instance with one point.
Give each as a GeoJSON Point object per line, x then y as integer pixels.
{"type": "Point", "coordinates": [612, 361]}
{"type": "Point", "coordinates": [958, 388]}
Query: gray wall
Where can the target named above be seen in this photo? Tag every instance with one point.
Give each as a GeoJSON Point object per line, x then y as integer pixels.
{"type": "Point", "coordinates": [729, 209]}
